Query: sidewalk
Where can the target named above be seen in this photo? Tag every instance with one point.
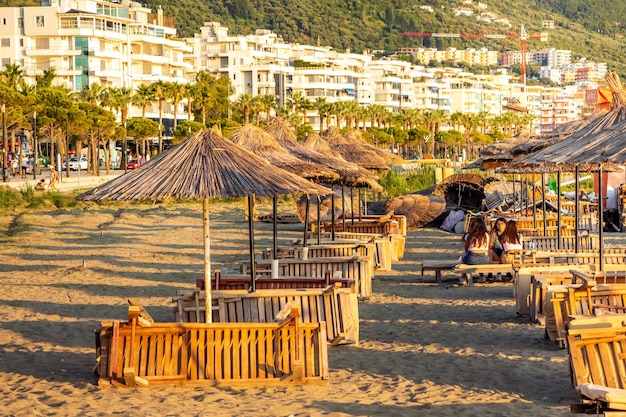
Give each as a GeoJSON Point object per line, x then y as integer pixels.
{"type": "Point", "coordinates": [76, 181]}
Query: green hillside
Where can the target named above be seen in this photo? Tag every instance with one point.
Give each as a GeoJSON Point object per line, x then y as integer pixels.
{"type": "Point", "coordinates": [588, 27]}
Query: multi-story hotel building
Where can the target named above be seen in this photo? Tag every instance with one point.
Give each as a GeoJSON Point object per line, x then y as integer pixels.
{"type": "Point", "coordinates": [87, 41]}
{"type": "Point", "coordinates": [126, 45]}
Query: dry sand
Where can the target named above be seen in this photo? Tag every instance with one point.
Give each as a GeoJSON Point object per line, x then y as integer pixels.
{"type": "Point", "coordinates": [425, 349]}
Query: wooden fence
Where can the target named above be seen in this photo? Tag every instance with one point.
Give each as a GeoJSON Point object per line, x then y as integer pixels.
{"type": "Point", "coordinates": [140, 353]}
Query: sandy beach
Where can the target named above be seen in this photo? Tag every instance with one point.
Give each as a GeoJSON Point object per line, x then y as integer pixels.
{"type": "Point", "coordinates": [425, 349]}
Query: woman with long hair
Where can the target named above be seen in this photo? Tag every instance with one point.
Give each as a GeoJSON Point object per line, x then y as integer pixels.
{"type": "Point", "coordinates": [476, 243]}
{"type": "Point", "coordinates": [511, 240]}
{"type": "Point", "coordinates": [496, 250]}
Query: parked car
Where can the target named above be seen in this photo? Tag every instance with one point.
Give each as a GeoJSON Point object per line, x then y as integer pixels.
{"type": "Point", "coordinates": [75, 164]}
{"type": "Point", "coordinates": [135, 164]}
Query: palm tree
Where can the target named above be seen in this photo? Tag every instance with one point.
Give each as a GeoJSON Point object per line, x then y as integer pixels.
{"type": "Point", "coordinates": [92, 93]}
{"type": "Point", "coordinates": [483, 118]}
{"type": "Point", "coordinates": [176, 92]}
{"type": "Point", "coordinates": [268, 103]}
{"type": "Point", "coordinates": [321, 105]}
{"type": "Point", "coordinates": [245, 102]}
{"type": "Point", "coordinates": [161, 93]}
{"type": "Point", "coordinates": [191, 93]}
{"type": "Point", "coordinates": [143, 97]}
{"type": "Point", "coordinates": [13, 74]}
{"type": "Point", "coordinates": [433, 120]}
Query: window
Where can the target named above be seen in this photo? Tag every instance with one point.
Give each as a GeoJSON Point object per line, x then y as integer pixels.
{"type": "Point", "coordinates": [39, 21]}
{"type": "Point", "coordinates": [4, 20]}
{"type": "Point", "coordinates": [21, 43]}
{"type": "Point", "coordinates": [4, 42]}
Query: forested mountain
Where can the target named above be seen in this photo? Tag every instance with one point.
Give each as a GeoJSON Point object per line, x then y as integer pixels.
{"type": "Point", "coordinates": [590, 28]}
{"type": "Point", "coordinates": [593, 29]}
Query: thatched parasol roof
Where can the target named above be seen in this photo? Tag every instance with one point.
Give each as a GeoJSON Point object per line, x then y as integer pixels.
{"type": "Point", "coordinates": [418, 209]}
{"type": "Point", "coordinates": [205, 165]}
{"type": "Point", "coordinates": [506, 151]}
{"type": "Point", "coordinates": [261, 143]}
{"type": "Point", "coordinates": [353, 151]}
{"type": "Point", "coordinates": [464, 190]}
{"type": "Point", "coordinates": [356, 136]}
{"type": "Point", "coordinates": [350, 174]}
{"type": "Point", "coordinates": [596, 142]}
{"type": "Point", "coordinates": [362, 177]}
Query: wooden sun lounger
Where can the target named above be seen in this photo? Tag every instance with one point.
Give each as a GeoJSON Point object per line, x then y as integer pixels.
{"type": "Point", "coordinates": [597, 351]}
{"type": "Point", "coordinates": [285, 351]}
{"type": "Point", "coordinates": [582, 300]}
{"type": "Point", "coordinates": [334, 306]}
{"type": "Point", "coordinates": [531, 284]}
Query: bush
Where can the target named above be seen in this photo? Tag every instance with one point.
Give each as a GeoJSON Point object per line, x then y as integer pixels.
{"type": "Point", "coordinates": [12, 199]}
{"type": "Point", "coordinates": [396, 184]}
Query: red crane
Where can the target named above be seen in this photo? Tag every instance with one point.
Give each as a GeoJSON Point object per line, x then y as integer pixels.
{"type": "Point", "coordinates": [543, 36]}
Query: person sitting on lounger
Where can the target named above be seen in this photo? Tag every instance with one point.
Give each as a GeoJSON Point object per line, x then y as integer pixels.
{"type": "Point", "coordinates": [476, 243]}
{"type": "Point", "coordinates": [495, 253]}
{"type": "Point", "coordinates": [511, 240]}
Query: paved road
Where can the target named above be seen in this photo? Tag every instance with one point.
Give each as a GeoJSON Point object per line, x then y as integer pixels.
{"type": "Point", "coordinates": [76, 181]}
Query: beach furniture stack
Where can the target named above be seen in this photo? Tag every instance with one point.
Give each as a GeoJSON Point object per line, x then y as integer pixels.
{"type": "Point", "coordinates": [334, 306]}
{"type": "Point", "coordinates": [140, 352]}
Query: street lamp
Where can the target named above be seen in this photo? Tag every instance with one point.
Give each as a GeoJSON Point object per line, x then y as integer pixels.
{"type": "Point", "coordinates": [5, 177]}
{"type": "Point", "coordinates": [35, 155]}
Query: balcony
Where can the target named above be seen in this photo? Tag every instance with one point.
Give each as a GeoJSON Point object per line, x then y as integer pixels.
{"type": "Point", "coordinates": [53, 52]}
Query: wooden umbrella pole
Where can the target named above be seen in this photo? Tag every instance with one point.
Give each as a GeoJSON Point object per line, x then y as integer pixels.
{"type": "Point", "coordinates": [343, 209]}
{"type": "Point", "coordinates": [365, 201]}
{"type": "Point", "coordinates": [352, 204]}
{"type": "Point", "coordinates": [275, 226]}
{"type": "Point", "coordinates": [514, 195]}
{"type": "Point", "coordinates": [558, 210]}
{"type": "Point", "coordinates": [332, 216]}
{"type": "Point", "coordinates": [601, 219]}
{"type": "Point", "coordinates": [543, 202]}
{"type": "Point", "coordinates": [576, 210]}
{"type": "Point", "coordinates": [207, 260]}
{"type": "Point", "coordinates": [251, 241]}
{"type": "Point", "coordinates": [358, 190]}
{"type": "Point", "coordinates": [306, 218]}
{"type": "Point", "coordinates": [534, 202]}
{"type": "Point", "coordinates": [319, 220]}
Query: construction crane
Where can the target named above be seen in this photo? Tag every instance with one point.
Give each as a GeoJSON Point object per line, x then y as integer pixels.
{"type": "Point", "coordinates": [523, 36]}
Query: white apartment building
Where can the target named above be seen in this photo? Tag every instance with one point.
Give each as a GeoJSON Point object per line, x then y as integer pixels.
{"type": "Point", "coordinates": [558, 106]}
{"type": "Point", "coordinates": [87, 41]}
{"type": "Point", "coordinates": [471, 56]}
{"type": "Point", "coordinates": [258, 64]}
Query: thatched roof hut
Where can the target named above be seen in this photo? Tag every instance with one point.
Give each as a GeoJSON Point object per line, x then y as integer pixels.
{"type": "Point", "coordinates": [261, 143]}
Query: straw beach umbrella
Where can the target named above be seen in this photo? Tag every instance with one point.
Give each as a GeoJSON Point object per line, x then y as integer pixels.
{"type": "Point", "coordinates": [261, 143]}
{"type": "Point", "coordinates": [349, 173]}
{"type": "Point", "coordinates": [204, 166]}
{"type": "Point", "coordinates": [354, 151]}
